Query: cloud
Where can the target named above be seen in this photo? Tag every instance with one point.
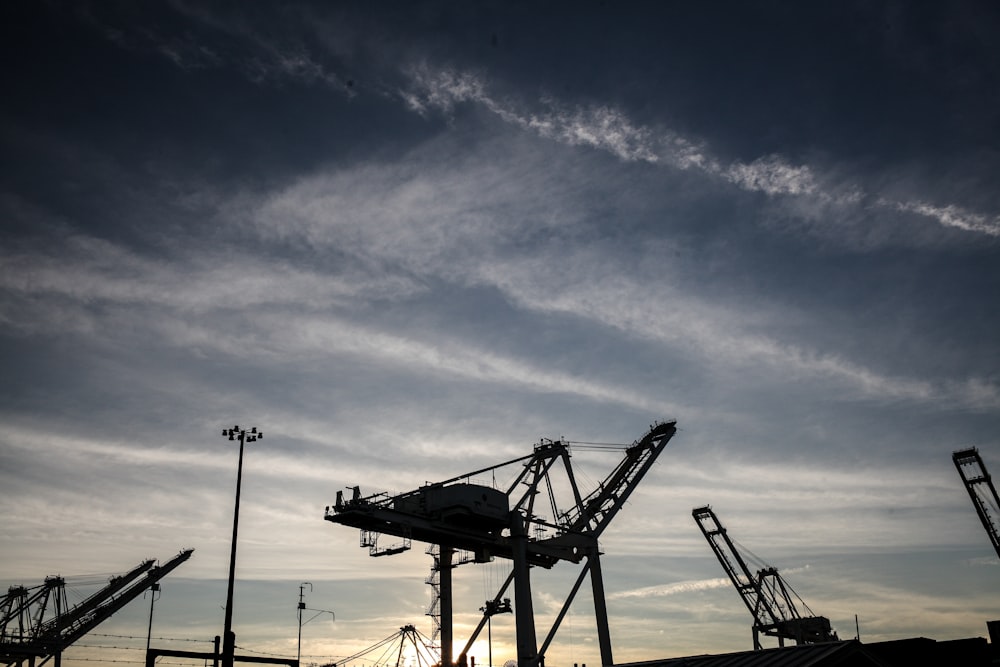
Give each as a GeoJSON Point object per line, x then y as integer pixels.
{"type": "Point", "coordinates": [772, 175]}
{"type": "Point", "coordinates": [276, 54]}
{"type": "Point", "coordinates": [219, 40]}
{"type": "Point", "coordinates": [442, 89]}
{"type": "Point", "coordinates": [715, 333]}
{"type": "Point", "coordinates": [665, 590]}
{"type": "Point", "coordinates": [86, 269]}
{"type": "Point", "coordinates": [599, 127]}
{"type": "Point", "coordinates": [273, 56]}
{"type": "Point", "coordinates": [950, 216]}
{"type": "Point", "coordinates": [602, 128]}
{"type": "Point", "coordinates": [394, 230]}
{"type": "Point", "coordinates": [607, 129]}
{"type": "Point", "coordinates": [174, 298]}
{"type": "Point", "coordinates": [468, 224]}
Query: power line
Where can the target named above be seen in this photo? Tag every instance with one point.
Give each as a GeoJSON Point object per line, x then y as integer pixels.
{"type": "Point", "coordinates": [165, 639]}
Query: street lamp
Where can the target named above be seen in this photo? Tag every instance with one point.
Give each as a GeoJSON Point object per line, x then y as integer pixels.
{"type": "Point", "coordinates": [229, 639]}
{"type": "Point", "coordinates": [302, 608]}
{"type": "Point", "coordinates": [154, 589]}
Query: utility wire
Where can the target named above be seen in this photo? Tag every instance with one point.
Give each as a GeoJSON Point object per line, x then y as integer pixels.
{"type": "Point", "coordinates": [165, 639]}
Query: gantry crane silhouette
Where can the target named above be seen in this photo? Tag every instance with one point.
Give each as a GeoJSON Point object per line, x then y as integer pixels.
{"type": "Point", "coordinates": [487, 522]}
{"type": "Point", "coordinates": [766, 594]}
{"type": "Point", "coordinates": [979, 484]}
{"type": "Point", "coordinates": [394, 649]}
{"type": "Point", "coordinates": [37, 624]}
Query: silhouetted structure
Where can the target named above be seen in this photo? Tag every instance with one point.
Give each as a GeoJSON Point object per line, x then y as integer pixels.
{"type": "Point", "coordinates": [489, 522]}
{"type": "Point", "coordinates": [974, 652]}
{"type": "Point", "coordinates": [765, 593]}
{"type": "Point", "coordinates": [980, 487]}
{"type": "Point", "coordinates": [37, 624]}
{"type": "Point", "coordinates": [424, 652]}
{"type": "Point", "coordinates": [216, 657]}
{"type": "Point", "coordinates": [228, 637]}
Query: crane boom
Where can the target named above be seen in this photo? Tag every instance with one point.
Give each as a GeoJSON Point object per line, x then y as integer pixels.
{"type": "Point", "coordinates": [979, 484]}
{"type": "Point", "coordinates": [76, 614]}
{"type": "Point", "coordinates": [473, 517]}
{"type": "Point", "coordinates": [47, 637]}
{"type": "Point", "coordinates": [595, 512]}
{"type": "Point", "coordinates": [765, 594]}
{"type": "Point", "coordinates": [101, 613]}
{"type": "Point", "coordinates": [490, 522]}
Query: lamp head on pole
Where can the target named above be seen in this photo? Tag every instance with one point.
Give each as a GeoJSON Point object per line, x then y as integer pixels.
{"type": "Point", "coordinates": [236, 433]}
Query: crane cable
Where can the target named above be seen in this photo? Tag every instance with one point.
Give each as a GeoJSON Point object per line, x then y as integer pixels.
{"type": "Point", "coordinates": [761, 564]}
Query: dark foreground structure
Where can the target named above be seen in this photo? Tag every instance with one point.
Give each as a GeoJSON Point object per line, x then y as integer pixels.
{"type": "Point", "coordinates": [974, 652]}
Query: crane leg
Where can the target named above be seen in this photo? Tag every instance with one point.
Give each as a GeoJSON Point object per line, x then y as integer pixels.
{"type": "Point", "coordinates": [600, 608]}
{"type": "Point", "coordinates": [447, 629]}
{"type": "Point", "coordinates": [524, 615]}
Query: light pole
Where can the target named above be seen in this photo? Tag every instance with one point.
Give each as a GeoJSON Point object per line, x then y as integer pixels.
{"type": "Point", "coordinates": [302, 608]}
{"type": "Point", "coordinates": [229, 639]}
{"type": "Point", "coordinates": [154, 589]}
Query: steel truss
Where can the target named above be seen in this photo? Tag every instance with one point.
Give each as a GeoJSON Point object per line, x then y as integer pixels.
{"type": "Point", "coordinates": [513, 523]}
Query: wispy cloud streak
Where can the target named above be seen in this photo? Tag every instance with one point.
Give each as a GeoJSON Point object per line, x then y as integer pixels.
{"type": "Point", "coordinates": [949, 216]}
{"type": "Point", "coordinates": [665, 590]}
{"type": "Point", "coordinates": [600, 127]}
{"type": "Point", "coordinates": [608, 129]}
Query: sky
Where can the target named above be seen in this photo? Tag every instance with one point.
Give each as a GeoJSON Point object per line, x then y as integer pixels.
{"type": "Point", "coordinates": [409, 240]}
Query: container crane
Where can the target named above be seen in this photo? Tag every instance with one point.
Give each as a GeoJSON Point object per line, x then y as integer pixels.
{"type": "Point", "coordinates": [489, 522]}
{"type": "Point", "coordinates": [766, 595]}
{"type": "Point", "coordinates": [36, 624]}
{"type": "Point", "coordinates": [979, 484]}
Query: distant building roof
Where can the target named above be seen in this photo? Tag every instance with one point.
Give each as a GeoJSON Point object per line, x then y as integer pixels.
{"type": "Point", "coordinates": [973, 652]}
{"type": "Point", "coordinates": [827, 654]}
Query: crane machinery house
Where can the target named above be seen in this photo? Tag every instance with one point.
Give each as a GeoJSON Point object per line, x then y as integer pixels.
{"type": "Point", "coordinates": [470, 506]}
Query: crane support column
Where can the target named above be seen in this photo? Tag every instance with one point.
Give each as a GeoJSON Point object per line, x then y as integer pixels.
{"type": "Point", "coordinates": [447, 629]}
{"type": "Point", "coordinates": [600, 608]}
{"type": "Point", "coordinates": [524, 614]}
